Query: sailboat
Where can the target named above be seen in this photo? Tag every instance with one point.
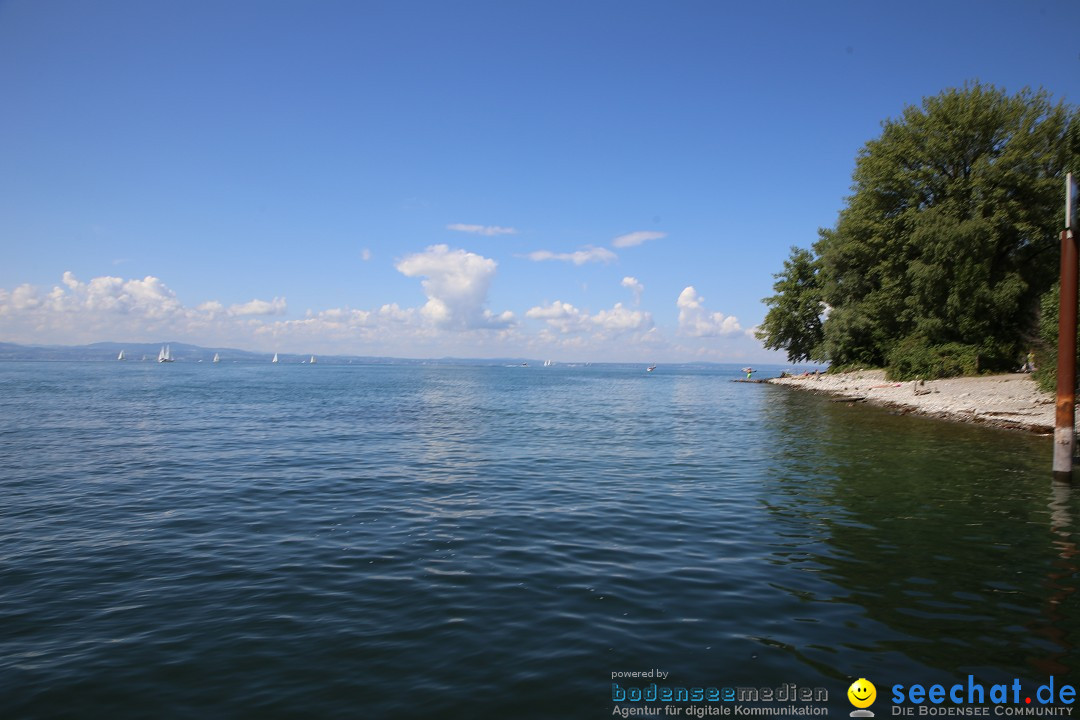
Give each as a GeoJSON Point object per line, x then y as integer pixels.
{"type": "Point", "coordinates": [217, 358]}
{"type": "Point", "coordinates": [165, 355]}
{"type": "Point", "coordinates": [650, 368]}
{"type": "Point", "coordinates": [275, 358]}
{"type": "Point", "coordinates": [120, 356]}
{"type": "Point", "coordinates": [312, 359]}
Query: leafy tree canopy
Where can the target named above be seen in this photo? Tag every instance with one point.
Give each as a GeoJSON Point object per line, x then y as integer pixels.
{"type": "Point", "coordinates": [794, 323]}
{"type": "Point", "coordinates": [948, 239]}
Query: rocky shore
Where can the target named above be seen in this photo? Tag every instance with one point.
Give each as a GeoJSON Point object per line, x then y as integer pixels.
{"type": "Point", "coordinates": [1006, 401]}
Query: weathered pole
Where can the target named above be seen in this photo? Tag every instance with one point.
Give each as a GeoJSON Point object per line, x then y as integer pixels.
{"type": "Point", "coordinates": [1065, 416]}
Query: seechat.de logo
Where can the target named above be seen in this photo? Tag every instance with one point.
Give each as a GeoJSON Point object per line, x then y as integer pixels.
{"type": "Point", "coordinates": [862, 694]}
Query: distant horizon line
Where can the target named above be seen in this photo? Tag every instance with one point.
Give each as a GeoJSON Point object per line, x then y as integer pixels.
{"type": "Point", "coordinates": [112, 346]}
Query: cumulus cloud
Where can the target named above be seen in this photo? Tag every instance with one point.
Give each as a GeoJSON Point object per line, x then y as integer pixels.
{"type": "Point", "coordinates": [580, 257]}
{"type": "Point", "coordinates": [333, 324]}
{"type": "Point", "coordinates": [488, 230]}
{"type": "Point", "coordinates": [632, 284]}
{"type": "Point", "coordinates": [456, 283]}
{"type": "Point", "coordinates": [696, 321]}
{"type": "Point", "coordinates": [636, 238]}
{"type": "Point", "coordinates": [148, 297]}
{"type": "Point", "coordinates": [259, 307]}
{"type": "Point", "coordinates": [146, 310]}
{"type": "Point", "coordinates": [620, 319]}
{"type": "Point", "coordinates": [77, 311]}
{"type": "Point", "coordinates": [560, 315]}
{"type": "Point", "coordinates": [568, 319]}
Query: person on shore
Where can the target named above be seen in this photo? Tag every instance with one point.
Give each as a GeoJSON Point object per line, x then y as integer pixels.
{"type": "Point", "coordinates": [749, 372]}
{"type": "Point", "coordinates": [1029, 364]}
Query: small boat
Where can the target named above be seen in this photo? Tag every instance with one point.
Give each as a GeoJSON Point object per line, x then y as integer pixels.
{"type": "Point", "coordinates": [312, 360]}
{"type": "Point", "coordinates": [165, 355]}
{"type": "Point", "coordinates": [549, 363]}
{"type": "Point", "coordinates": [217, 358]}
{"type": "Point", "coordinates": [275, 358]}
{"type": "Point", "coordinates": [650, 368]}
{"type": "Point", "coordinates": [120, 356]}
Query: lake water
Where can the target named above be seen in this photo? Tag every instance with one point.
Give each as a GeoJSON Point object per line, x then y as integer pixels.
{"type": "Point", "coordinates": [384, 541]}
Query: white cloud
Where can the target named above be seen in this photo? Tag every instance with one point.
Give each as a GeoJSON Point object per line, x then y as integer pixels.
{"type": "Point", "coordinates": [488, 230]}
{"type": "Point", "coordinates": [148, 297]}
{"type": "Point", "coordinates": [259, 307]}
{"type": "Point", "coordinates": [620, 319]}
{"type": "Point", "coordinates": [333, 324]}
{"type": "Point", "coordinates": [83, 312]}
{"type": "Point", "coordinates": [568, 319]}
{"type": "Point", "coordinates": [365, 254]}
{"type": "Point", "coordinates": [636, 238]}
{"type": "Point", "coordinates": [580, 257]}
{"type": "Point", "coordinates": [456, 284]}
{"type": "Point", "coordinates": [696, 321]}
{"type": "Point", "coordinates": [21, 299]}
{"type": "Point", "coordinates": [395, 314]}
{"type": "Point", "coordinates": [632, 284]}
{"type": "Point", "coordinates": [555, 311]}
{"type": "Point", "coordinates": [560, 315]}
{"type": "Point", "coordinates": [454, 320]}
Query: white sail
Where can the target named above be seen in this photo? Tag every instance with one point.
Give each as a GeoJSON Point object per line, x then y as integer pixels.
{"type": "Point", "coordinates": [217, 358]}
{"type": "Point", "coordinates": [162, 356]}
{"type": "Point", "coordinates": [312, 359]}
{"type": "Point", "coordinates": [120, 356]}
{"type": "Point", "coordinates": [275, 358]}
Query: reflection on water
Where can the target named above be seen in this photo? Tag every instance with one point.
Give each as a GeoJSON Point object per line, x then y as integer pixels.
{"type": "Point", "coordinates": [1060, 584]}
{"type": "Point", "coordinates": [939, 552]}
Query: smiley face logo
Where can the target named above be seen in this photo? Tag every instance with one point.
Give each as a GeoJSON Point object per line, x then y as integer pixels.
{"type": "Point", "coordinates": [862, 693]}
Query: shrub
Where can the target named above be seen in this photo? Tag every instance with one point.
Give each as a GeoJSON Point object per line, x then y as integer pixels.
{"type": "Point", "coordinates": [915, 358]}
{"type": "Point", "coordinates": [1046, 351]}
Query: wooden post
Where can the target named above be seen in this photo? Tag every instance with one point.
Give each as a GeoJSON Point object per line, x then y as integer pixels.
{"type": "Point", "coordinates": [1065, 418]}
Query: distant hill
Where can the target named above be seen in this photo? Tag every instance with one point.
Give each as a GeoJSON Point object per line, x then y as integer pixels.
{"type": "Point", "coordinates": [109, 350]}
{"type": "Point", "coordinates": [186, 353]}
{"type": "Point", "coordinates": [183, 352]}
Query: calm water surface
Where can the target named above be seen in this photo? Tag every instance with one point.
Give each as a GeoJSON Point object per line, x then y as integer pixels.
{"type": "Point", "coordinates": [192, 540]}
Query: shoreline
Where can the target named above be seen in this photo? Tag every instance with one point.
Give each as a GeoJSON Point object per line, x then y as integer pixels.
{"type": "Point", "coordinates": [1009, 401]}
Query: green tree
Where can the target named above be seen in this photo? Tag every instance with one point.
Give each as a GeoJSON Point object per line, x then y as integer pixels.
{"type": "Point", "coordinates": [947, 239]}
{"type": "Point", "coordinates": [1046, 348]}
{"type": "Point", "coordinates": [793, 322]}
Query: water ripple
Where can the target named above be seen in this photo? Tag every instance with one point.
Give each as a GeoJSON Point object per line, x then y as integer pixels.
{"type": "Point", "coordinates": [410, 541]}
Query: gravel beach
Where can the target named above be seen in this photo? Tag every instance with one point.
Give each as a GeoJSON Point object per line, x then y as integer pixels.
{"type": "Point", "coordinates": [1006, 401]}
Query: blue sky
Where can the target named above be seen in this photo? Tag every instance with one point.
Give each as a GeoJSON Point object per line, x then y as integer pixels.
{"type": "Point", "coordinates": [564, 180]}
